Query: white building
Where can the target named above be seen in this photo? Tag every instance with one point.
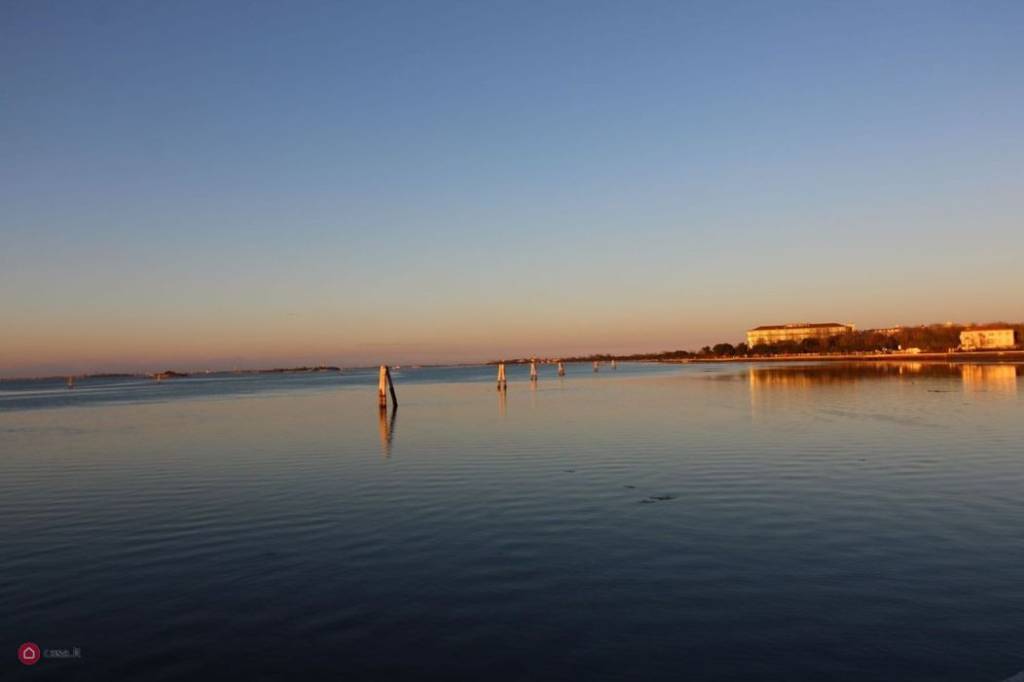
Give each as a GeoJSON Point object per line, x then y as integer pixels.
{"type": "Point", "coordinates": [774, 333]}
{"type": "Point", "coordinates": [988, 338]}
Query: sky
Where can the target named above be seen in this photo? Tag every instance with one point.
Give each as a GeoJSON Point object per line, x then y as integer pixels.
{"type": "Point", "coordinates": [213, 185]}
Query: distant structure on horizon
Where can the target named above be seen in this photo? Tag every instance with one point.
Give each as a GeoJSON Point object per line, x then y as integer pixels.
{"type": "Point", "coordinates": [887, 331]}
{"type": "Point", "coordinates": [798, 331]}
{"type": "Point", "coordinates": [988, 337]}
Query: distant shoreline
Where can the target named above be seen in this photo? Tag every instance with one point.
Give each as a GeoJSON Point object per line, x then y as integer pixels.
{"type": "Point", "coordinates": [958, 356]}
{"type": "Point", "coordinates": [953, 357]}
{"type": "Point", "coordinates": [175, 374]}
{"type": "Point", "coordinates": [1011, 355]}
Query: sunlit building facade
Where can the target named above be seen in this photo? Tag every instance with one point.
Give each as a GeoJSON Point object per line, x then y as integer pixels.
{"type": "Point", "coordinates": [988, 338]}
{"type": "Point", "coordinates": [774, 333]}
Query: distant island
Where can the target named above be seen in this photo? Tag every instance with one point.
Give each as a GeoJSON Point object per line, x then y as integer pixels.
{"type": "Point", "coordinates": [170, 374]}
{"type": "Point", "coordinates": [174, 374]}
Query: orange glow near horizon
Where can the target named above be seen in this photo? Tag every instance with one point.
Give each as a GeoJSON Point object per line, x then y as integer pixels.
{"type": "Point", "coordinates": [196, 341]}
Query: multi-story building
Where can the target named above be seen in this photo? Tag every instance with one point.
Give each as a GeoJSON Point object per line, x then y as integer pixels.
{"type": "Point", "coordinates": [988, 338]}
{"type": "Point", "coordinates": [774, 333]}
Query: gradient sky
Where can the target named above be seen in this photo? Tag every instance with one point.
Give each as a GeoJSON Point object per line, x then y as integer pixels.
{"type": "Point", "coordinates": [204, 184]}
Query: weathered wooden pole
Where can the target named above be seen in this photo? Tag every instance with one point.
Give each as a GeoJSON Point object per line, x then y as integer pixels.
{"type": "Point", "coordinates": [502, 384]}
{"type": "Point", "coordinates": [533, 370]}
{"type": "Point", "coordinates": [561, 369]}
{"type": "Point", "coordinates": [384, 386]}
{"type": "Point", "coordinates": [391, 388]}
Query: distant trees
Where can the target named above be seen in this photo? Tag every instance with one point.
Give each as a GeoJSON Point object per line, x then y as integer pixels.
{"type": "Point", "coordinates": [663, 355]}
{"type": "Point", "coordinates": [935, 338]}
{"type": "Point", "coordinates": [723, 349]}
{"type": "Point", "coordinates": [605, 357]}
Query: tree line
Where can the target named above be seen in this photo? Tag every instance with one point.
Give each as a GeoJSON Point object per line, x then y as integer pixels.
{"type": "Point", "coordinates": [931, 338]}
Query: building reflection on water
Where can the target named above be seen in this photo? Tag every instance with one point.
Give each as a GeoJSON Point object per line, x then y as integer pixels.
{"type": "Point", "coordinates": [795, 381]}
{"type": "Point", "coordinates": [813, 375]}
{"type": "Point", "coordinates": [994, 378]}
{"type": "Point", "coordinates": [386, 425]}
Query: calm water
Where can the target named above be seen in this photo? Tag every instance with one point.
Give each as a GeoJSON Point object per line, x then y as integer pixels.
{"type": "Point", "coordinates": [659, 522]}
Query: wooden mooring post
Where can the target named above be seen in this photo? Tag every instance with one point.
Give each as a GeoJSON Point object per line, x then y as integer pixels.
{"type": "Point", "coordinates": [502, 384]}
{"type": "Point", "coordinates": [384, 386]}
{"type": "Point", "coordinates": [533, 370]}
{"type": "Point", "coordinates": [561, 368]}
{"type": "Point", "coordinates": [595, 365]}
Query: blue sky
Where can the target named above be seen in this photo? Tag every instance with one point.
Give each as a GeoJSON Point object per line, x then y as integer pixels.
{"type": "Point", "coordinates": [197, 184]}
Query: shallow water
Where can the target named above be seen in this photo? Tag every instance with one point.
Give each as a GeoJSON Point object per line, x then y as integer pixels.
{"type": "Point", "coordinates": [841, 522]}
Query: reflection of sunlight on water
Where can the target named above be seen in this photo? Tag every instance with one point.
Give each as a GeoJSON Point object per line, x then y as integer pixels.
{"type": "Point", "coordinates": [502, 404]}
{"type": "Point", "coordinates": [995, 378]}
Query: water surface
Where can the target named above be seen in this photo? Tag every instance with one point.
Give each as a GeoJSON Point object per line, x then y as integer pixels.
{"type": "Point", "coordinates": [698, 522]}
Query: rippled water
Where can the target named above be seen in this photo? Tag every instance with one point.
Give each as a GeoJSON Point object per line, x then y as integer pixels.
{"type": "Point", "coordinates": [832, 522]}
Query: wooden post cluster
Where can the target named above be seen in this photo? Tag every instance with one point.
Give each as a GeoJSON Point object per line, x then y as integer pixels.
{"type": "Point", "coordinates": [502, 384]}
{"type": "Point", "coordinates": [384, 386]}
